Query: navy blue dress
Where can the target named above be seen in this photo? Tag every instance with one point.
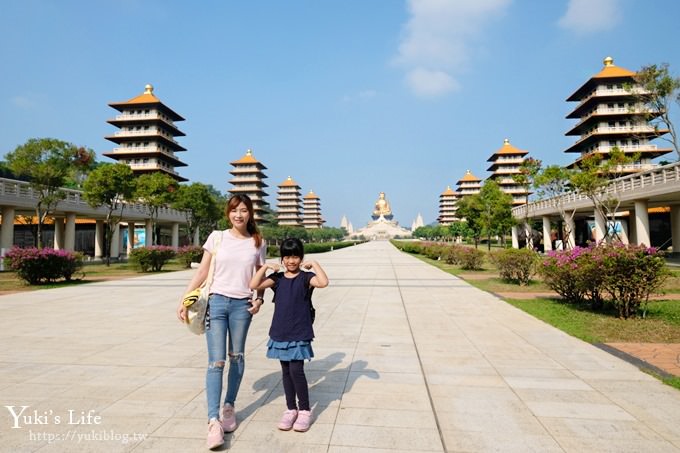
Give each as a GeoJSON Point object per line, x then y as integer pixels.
{"type": "Point", "coordinates": [291, 332]}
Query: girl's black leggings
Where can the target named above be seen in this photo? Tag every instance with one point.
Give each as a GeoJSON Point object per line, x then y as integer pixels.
{"type": "Point", "coordinates": [295, 384]}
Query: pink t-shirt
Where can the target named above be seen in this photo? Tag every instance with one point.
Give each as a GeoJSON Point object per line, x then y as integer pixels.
{"type": "Point", "coordinates": [235, 264]}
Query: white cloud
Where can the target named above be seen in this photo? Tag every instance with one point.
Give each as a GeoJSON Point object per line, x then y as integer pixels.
{"type": "Point", "coordinates": [425, 83]}
{"type": "Point", "coordinates": [24, 102]}
{"type": "Point", "coordinates": [589, 16]}
{"type": "Point", "coordinates": [437, 40]}
{"type": "Point", "coordinates": [361, 95]}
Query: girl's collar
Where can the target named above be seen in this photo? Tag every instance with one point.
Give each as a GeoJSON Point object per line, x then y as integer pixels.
{"type": "Point", "coordinates": [230, 231]}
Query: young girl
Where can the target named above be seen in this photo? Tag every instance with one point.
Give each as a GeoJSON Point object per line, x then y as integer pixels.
{"type": "Point", "coordinates": [291, 333]}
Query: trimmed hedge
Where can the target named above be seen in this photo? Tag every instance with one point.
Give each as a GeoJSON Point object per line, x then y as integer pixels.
{"type": "Point", "coordinates": [516, 265]}
{"type": "Point", "coordinates": [151, 258]}
{"type": "Point", "coordinates": [45, 265]}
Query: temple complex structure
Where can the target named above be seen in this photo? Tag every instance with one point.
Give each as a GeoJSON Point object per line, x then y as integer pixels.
{"type": "Point", "coordinates": [311, 211]}
{"type": "Point", "coordinates": [610, 115]}
{"type": "Point", "coordinates": [146, 139]}
{"type": "Point", "coordinates": [506, 163]}
{"type": "Point", "coordinates": [289, 203]}
{"type": "Point", "coordinates": [382, 226]}
{"type": "Point", "coordinates": [447, 206]}
{"type": "Point", "coordinates": [249, 180]}
{"type": "Point", "coordinates": [469, 184]}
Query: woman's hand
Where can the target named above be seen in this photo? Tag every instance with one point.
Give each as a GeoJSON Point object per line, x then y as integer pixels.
{"type": "Point", "coordinates": [182, 313]}
{"type": "Point", "coordinates": [255, 305]}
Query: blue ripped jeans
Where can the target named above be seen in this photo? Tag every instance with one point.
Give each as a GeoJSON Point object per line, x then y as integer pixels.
{"type": "Point", "coordinates": [229, 319]}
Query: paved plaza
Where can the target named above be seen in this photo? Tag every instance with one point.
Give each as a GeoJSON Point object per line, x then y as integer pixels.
{"type": "Point", "coordinates": [408, 359]}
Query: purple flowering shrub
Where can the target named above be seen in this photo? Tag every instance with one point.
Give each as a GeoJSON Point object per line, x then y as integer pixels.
{"type": "Point", "coordinates": [189, 254]}
{"type": "Point", "coordinates": [151, 258]}
{"type": "Point", "coordinates": [45, 265]}
{"type": "Point", "coordinates": [617, 274]}
{"type": "Point", "coordinates": [515, 265]}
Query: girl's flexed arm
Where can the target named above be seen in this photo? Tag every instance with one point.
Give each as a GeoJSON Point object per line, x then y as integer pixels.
{"type": "Point", "coordinates": [259, 282]}
{"type": "Point", "coordinates": [320, 279]}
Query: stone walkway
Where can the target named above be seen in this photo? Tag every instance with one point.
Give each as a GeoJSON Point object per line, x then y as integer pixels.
{"type": "Point", "coordinates": [408, 359]}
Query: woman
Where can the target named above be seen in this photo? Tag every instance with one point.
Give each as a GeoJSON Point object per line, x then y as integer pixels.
{"type": "Point", "coordinates": [238, 252]}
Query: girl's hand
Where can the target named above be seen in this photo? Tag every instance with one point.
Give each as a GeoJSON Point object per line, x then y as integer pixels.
{"type": "Point", "coordinates": [307, 265]}
{"type": "Point", "coordinates": [274, 267]}
{"type": "Point", "coordinates": [182, 313]}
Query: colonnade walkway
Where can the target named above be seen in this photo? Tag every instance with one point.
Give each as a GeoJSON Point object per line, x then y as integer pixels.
{"type": "Point", "coordinates": [408, 359]}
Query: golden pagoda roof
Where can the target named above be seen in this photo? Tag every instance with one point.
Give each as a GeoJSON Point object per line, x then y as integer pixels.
{"type": "Point", "coordinates": [289, 182]}
{"type": "Point", "coordinates": [248, 159]}
{"type": "Point", "coordinates": [507, 149]}
{"type": "Point", "coordinates": [147, 98]}
{"type": "Point", "coordinates": [609, 71]}
{"type": "Point", "coordinates": [469, 177]}
{"type": "Point", "coordinates": [311, 195]}
{"type": "Point", "coordinates": [449, 191]}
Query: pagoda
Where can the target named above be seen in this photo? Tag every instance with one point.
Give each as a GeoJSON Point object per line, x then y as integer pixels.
{"type": "Point", "coordinates": [311, 211]}
{"type": "Point", "coordinates": [469, 184]}
{"type": "Point", "coordinates": [289, 203]}
{"type": "Point", "coordinates": [146, 139]}
{"type": "Point", "coordinates": [447, 206]}
{"type": "Point", "coordinates": [610, 116]}
{"type": "Point", "coordinates": [505, 163]}
{"type": "Point", "coordinates": [248, 180]}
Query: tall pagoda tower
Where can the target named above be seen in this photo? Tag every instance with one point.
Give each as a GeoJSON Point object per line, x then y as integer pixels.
{"type": "Point", "coordinates": [311, 211]}
{"type": "Point", "coordinates": [146, 139]}
{"type": "Point", "coordinates": [289, 203]}
{"type": "Point", "coordinates": [609, 115]}
{"type": "Point", "coordinates": [447, 206]}
{"type": "Point", "coordinates": [505, 163]}
{"type": "Point", "coordinates": [469, 184]}
{"type": "Point", "coordinates": [248, 180]}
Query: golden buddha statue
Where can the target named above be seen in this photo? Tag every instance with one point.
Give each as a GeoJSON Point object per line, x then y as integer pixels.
{"type": "Point", "coordinates": [382, 208]}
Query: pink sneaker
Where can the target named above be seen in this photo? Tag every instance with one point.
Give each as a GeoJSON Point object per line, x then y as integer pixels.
{"type": "Point", "coordinates": [228, 418]}
{"type": "Point", "coordinates": [287, 420]}
{"type": "Point", "coordinates": [215, 434]}
{"type": "Point", "coordinates": [304, 419]}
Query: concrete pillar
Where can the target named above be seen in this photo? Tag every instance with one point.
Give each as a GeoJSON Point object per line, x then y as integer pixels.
{"type": "Point", "coordinates": [175, 235]}
{"type": "Point", "coordinates": [515, 237]}
{"type": "Point", "coordinates": [131, 237]}
{"type": "Point", "coordinates": [148, 227]}
{"type": "Point", "coordinates": [600, 227]}
{"type": "Point", "coordinates": [197, 237]}
{"type": "Point", "coordinates": [70, 232]}
{"type": "Point", "coordinates": [6, 233]}
{"type": "Point", "coordinates": [115, 241]}
{"type": "Point", "coordinates": [641, 223]}
{"type": "Point", "coordinates": [99, 239]}
{"type": "Point", "coordinates": [58, 233]}
{"type": "Point", "coordinates": [547, 242]}
{"type": "Point", "coordinates": [624, 234]}
{"type": "Point", "coordinates": [675, 229]}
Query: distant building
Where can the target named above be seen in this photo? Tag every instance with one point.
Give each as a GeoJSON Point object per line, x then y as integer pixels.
{"type": "Point", "coordinates": [417, 223]}
{"type": "Point", "coordinates": [505, 163]}
{"type": "Point", "coordinates": [146, 139]}
{"type": "Point", "coordinates": [249, 180]}
{"type": "Point", "coordinates": [469, 184]}
{"type": "Point", "coordinates": [610, 116]}
{"type": "Point", "coordinates": [447, 206]}
{"type": "Point", "coordinates": [289, 203]}
{"type": "Point", "coordinates": [311, 211]}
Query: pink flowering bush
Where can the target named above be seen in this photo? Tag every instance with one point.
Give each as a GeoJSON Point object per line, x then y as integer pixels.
{"type": "Point", "coordinates": [36, 266]}
{"type": "Point", "coordinates": [151, 258]}
{"type": "Point", "coordinates": [623, 276]}
{"type": "Point", "coordinates": [189, 254]}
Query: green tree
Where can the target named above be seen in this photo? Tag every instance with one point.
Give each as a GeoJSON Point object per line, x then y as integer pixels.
{"type": "Point", "coordinates": [659, 89]}
{"type": "Point", "coordinates": [593, 180]}
{"type": "Point", "coordinates": [470, 209]}
{"type": "Point", "coordinates": [528, 170]}
{"type": "Point", "coordinates": [552, 183]}
{"type": "Point", "coordinates": [496, 213]}
{"type": "Point", "coordinates": [47, 164]}
{"type": "Point", "coordinates": [199, 205]}
{"type": "Point", "coordinates": [110, 185]}
{"type": "Point", "coordinates": [155, 190]}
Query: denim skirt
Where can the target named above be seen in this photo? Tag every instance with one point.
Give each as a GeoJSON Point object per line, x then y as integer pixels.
{"type": "Point", "coordinates": [289, 350]}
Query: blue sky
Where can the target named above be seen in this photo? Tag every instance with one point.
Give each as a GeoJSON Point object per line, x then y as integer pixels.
{"type": "Point", "coordinates": [350, 98]}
